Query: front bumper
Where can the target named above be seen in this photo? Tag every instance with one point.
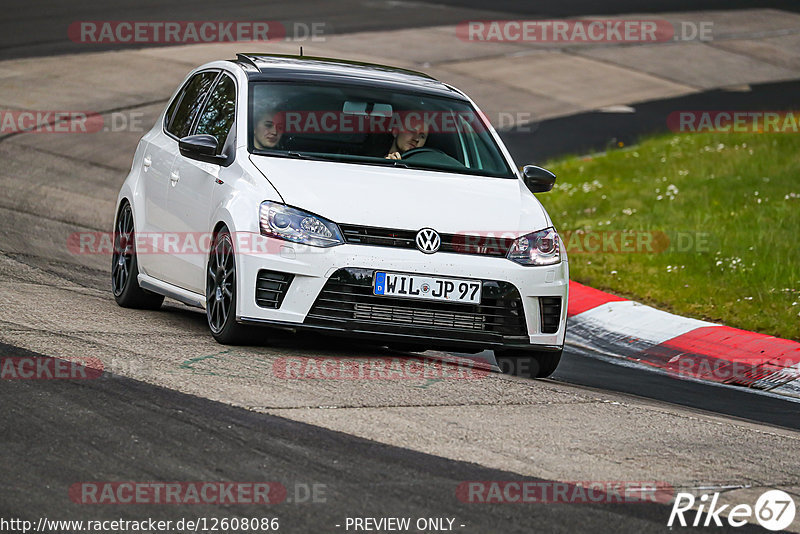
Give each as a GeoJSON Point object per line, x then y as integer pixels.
{"type": "Point", "coordinates": [442, 325]}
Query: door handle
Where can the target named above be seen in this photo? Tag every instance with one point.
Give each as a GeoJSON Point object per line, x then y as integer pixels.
{"type": "Point", "coordinates": [147, 162]}
{"type": "Point", "coordinates": [174, 177]}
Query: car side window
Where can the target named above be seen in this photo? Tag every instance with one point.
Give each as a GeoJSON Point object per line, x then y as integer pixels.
{"type": "Point", "coordinates": [219, 112]}
{"type": "Point", "coordinates": [187, 104]}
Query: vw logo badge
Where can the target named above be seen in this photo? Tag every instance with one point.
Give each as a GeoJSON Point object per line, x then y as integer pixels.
{"type": "Point", "coordinates": [428, 240]}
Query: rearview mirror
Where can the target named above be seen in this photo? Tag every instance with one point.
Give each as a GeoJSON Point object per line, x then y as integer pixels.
{"type": "Point", "coordinates": [202, 147]}
{"type": "Point", "coordinates": [538, 179]}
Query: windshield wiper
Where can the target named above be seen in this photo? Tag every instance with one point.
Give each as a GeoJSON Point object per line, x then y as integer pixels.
{"type": "Point", "coordinates": [393, 163]}
{"type": "Point", "coordinates": [338, 158]}
{"type": "Point", "coordinates": [369, 160]}
{"type": "Point", "coordinates": [300, 155]}
{"type": "Point", "coordinates": [289, 154]}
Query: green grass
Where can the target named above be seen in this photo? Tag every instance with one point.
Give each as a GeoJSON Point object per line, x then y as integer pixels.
{"type": "Point", "coordinates": [740, 193]}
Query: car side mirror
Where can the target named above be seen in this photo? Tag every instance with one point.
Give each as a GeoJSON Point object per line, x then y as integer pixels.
{"type": "Point", "coordinates": [202, 147]}
{"type": "Point", "coordinates": [538, 179]}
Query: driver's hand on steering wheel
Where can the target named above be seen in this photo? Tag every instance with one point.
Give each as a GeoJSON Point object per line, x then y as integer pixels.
{"type": "Point", "coordinates": [394, 155]}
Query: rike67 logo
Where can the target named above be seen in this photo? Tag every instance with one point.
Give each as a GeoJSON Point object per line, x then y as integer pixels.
{"type": "Point", "coordinates": [774, 510]}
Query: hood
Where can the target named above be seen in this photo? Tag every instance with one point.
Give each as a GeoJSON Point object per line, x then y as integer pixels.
{"type": "Point", "coordinates": [410, 199]}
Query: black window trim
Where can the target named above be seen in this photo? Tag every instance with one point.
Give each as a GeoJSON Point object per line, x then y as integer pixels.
{"type": "Point", "coordinates": [216, 82]}
{"type": "Point", "coordinates": [181, 94]}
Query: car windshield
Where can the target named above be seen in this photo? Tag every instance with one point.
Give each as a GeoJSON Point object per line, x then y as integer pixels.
{"type": "Point", "coordinates": [374, 126]}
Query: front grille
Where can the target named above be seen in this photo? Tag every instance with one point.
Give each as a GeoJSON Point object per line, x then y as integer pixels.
{"type": "Point", "coordinates": [347, 301]}
{"type": "Point", "coordinates": [487, 245]}
{"type": "Point", "coordinates": [550, 308]}
{"type": "Point", "coordinates": [418, 317]}
{"type": "Point", "coordinates": [271, 288]}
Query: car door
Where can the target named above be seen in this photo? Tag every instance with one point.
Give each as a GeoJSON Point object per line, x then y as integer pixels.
{"type": "Point", "coordinates": [163, 150]}
{"type": "Point", "coordinates": [157, 161]}
{"type": "Point", "coordinates": [193, 183]}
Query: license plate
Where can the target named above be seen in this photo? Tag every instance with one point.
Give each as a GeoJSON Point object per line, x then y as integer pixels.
{"type": "Point", "coordinates": [427, 287]}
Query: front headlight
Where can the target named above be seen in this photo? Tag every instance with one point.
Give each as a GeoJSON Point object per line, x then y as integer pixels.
{"type": "Point", "coordinates": [292, 224]}
{"type": "Point", "coordinates": [537, 248]}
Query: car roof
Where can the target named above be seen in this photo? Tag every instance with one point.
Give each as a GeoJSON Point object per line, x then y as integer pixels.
{"type": "Point", "coordinates": [264, 67]}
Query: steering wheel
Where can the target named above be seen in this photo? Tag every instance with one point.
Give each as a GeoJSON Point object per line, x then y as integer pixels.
{"type": "Point", "coordinates": [422, 150]}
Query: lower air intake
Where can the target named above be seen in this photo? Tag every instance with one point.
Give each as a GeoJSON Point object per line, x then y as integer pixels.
{"type": "Point", "coordinates": [550, 313]}
{"type": "Point", "coordinates": [271, 288]}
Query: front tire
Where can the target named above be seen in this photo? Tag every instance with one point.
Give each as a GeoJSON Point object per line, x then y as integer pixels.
{"type": "Point", "coordinates": [528, 364]}
{"type": "Point", "coordinates": [221, 292]}
{"type": "Point", "coordinates": [125, 267]}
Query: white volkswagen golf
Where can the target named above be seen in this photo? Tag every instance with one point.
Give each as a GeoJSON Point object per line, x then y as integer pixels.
{"type": "Point", "coordinates": [341, 197]}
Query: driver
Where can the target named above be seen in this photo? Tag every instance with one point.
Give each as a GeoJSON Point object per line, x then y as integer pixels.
{"type": "Point", "coordinates": [407, 139]}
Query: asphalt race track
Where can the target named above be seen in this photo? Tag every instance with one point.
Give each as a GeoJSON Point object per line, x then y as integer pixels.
{"type": "Point", "coordinates": [172, 405]}
{"type": "Point", "coordinates": [37, 29]}
{"type": "Point", "coordinates": [599, 130]}
{"type": "Point", "coordinates": [129, 430]}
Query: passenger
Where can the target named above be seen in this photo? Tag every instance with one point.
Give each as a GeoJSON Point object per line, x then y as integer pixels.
{"type": "Point", "coordinates": [269, 127]}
